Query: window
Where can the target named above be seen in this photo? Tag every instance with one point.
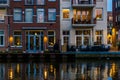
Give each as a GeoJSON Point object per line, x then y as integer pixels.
{"type": "Point", "coordinates": [66, 37]}
{"type": "Point", "coordinates": [17, 38]}
{"type": "Point", "coordinates": [66, 13]}
{"type": "Point", "coordinates": [17, 15]}
{"type": "Point", "coordinates": [40, 2]}
{"type": "Point", "coordinates": [17, 0]}
{"type": "Point", "coordinates": [99, 0]}
{"type": "Point", "coordinates": [2, 38]}
{"type": "Point", "coordinates": [51, 38]}
{"type": "Point", "coordinates": [2, 14]}
{"type": "Point", "coordinates": [99, 35]}
{"type": "Point", "coordinates": [40, 15]}
{"type": "Point", "coordinates": [119, 18]}
{"type": "Point", "coordinates": [118, 3]}
{"type": "Point", "coordinates": [51, 0]}
{"type": "Point", "coordinates": [3, 1]}
{"type": "Point", "coordinates": [29, 2]}
{"type": "Point", "coordinates": [99, 15]}
{"type": "Point", "coordinates": [28, 15]}
{"type": "Point", "coordinates": [51, 14]}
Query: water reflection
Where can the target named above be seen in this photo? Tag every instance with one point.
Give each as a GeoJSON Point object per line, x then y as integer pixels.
{"type": "Point", "coordinates": [60, 71]}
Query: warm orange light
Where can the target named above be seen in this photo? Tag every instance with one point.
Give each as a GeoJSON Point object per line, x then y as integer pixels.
{"type": "Point", "coordinates": [11, 39]}
{"type": "Point", "coordinates": [10, 74]}
{"type": "Point", "coordinates": [45, 39]}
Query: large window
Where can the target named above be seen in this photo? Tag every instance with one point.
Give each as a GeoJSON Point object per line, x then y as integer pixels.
{"type": "Point", "coordinates": [51, 14]}
{"type": "Point", "coordinates": [2, 14]}
{"type": "Point", "coordinates": [40, 15]}
{"type": "Point", "coordinates": [66, 13]}
{"type": "Point", "coordinates": [40, 2]}
{"type": "Point", "coordinates": [99, 13]}
{"type": "Point", "coordinates": [2, 38]}
{"type": "Point", "coordinates": [51, 38]}
{"type": "Point", "coordinates": [17, 15]}
{"type": "Point", "coordinates": [17, 38]}
{"type": "Point", "coordinates": [28, 15]}
{"type": "Point", "coordinates": [29, 2]}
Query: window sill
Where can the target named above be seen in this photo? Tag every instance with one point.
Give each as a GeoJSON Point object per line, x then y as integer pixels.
{"type": "Point", "coordinates": [66, 19]}
{"type": "Point", "coordinates": [16, 46]}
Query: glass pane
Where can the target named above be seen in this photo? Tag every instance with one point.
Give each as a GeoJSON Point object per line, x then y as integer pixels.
{"type": "Point", "coordinates": [78, 41]}
{"type": "Point", "coordinates": [86, 40]}
{"type": "Point", "coordinates": [37, 43]}
{"type": "Point", "coordinates": [1, 40]}
{"type": "Point", "coordinates": [1, 32]}
{"type": "Point", "coordinates": [40, 15]}
{"type": "Point", "coordinates": [17, 14]}
{"type": "Point", "coordinates": [29, 15]}
{"type": "Point", "coordinates": [51, 40]}
{"type": "Point", "coordinates": [26, 42]}
{"type": "Point", "coordinates": [31, 43]}
{"type": "Point", "coordinates": [40, 2]}
{"type": "Point", "coordinates": [17, 40]}
{"type": "Point", "coordinates": [52, 14]}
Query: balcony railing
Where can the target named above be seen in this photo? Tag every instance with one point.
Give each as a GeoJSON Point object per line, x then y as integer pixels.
{"type": "Point", "coordinates": [82, 23]}
{"type": "Point", "coordinates": [79, 3]}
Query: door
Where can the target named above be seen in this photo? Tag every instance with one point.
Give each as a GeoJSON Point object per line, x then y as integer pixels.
{"type": "Point", "coordinates": [34, 41]}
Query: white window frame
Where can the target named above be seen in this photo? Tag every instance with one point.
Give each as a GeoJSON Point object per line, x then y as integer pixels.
{"type": "Point", "coordinates": [3, 38]}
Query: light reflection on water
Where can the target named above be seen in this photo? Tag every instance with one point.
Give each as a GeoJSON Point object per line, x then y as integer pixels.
{"type": "Point", "coordinates": [80, 70]}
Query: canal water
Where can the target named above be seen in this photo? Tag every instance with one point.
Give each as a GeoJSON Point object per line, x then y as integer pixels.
{"type": "Point", "coordinates": [78, 70]}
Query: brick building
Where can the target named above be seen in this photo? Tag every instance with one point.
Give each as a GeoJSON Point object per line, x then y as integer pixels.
{"type": "Point", "coordinates": [33, 24]}
{"type": "Point", "coordinates": [116, 21]}
{"type": "Point", "coordinates": [4, 4]}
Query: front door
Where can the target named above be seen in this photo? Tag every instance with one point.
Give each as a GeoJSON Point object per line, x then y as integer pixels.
{"type": "Point", "coordinates": [35, 41]}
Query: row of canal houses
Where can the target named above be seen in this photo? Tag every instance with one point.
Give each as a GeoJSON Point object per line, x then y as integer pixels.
{"type": "Point", "coordinates": [39, 25]}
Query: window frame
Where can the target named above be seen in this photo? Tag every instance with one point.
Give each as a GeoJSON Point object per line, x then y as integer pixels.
{"type": "Point", "coordinates": [16, 35]}
{"type": "Point", "coordinates": [3, 38]}
{"type": "Point", "coordinates": [49, 19]}
{"type": "Point", "coordinates": [41, 10]}
{"type": "Point", "coordinates": [27, 15]}
{"type": "Point", "coordinates": [17, 12]}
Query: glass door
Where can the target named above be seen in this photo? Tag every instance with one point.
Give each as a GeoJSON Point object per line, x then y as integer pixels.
{"type": "Point", "coordinates": [34, 41]}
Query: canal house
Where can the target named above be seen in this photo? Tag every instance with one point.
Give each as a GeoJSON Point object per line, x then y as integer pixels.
{"type": "Point", "coordinates": [83, 22]}
{"type": "Point", "coordinates": [34, 25]}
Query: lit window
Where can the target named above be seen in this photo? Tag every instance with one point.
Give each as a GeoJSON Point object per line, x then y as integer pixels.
{"type": "Point", "coordinates": [66, 13]}
{"type": "Point", "coordinates": [99, 14]}
{"type": "Point", "coordinates": [2, 14]}
{"type": "Point", "coordinates": [51, 38]}
{"type": "Point", "coordinates": [99, 35]}
{"type": "Point", "coordinates": [17, 38]}
{"type": "Point", "coordinates": [2, 40]}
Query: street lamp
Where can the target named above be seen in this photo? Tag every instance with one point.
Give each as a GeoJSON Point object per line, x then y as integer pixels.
{"type": "Point", "coordinates": [45, 41]}
{"type": "Point", "coordinates": [11, 39]}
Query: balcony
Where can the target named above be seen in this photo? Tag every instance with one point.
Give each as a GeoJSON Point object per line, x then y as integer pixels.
{"type": "Point", "coordinates": [4, 3]}
{"type": "Point", "coordinates": [81, 3]}
{"type": "Point", "coordinates": [84, 23]}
